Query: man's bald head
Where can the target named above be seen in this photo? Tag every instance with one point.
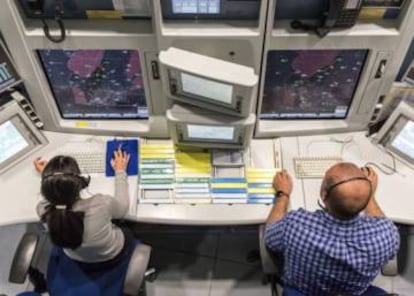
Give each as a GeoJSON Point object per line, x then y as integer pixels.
{"type": "Point", "coordinates": [345, 200]}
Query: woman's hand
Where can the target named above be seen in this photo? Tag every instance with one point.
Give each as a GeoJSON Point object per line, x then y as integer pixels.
{"type": "Point", "coordinates": [120, 160]}
{"type": "Point", "coordinates": [40, 164]}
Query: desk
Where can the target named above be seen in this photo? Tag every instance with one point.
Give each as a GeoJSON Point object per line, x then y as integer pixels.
{"type": "Point", "coordinates": [395, 193]}
{"type": "Point", "coordinates": [20, 191]}
{"type": "Point", "coordinates": [20, 185]}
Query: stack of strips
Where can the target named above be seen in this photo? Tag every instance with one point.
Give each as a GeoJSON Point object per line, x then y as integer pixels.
{"type": "Point", "coordinates": [156, 172]}
{"type": "Point", "coordinates": [260, 188]}
{"type": "Point", "coordinates": [229, 190]}
{"type": "Point", "coordinates": [193, 172]}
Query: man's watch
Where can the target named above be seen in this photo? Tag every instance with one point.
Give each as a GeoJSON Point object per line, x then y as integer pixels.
{"type": "Point", "coordinates": [280, 193]}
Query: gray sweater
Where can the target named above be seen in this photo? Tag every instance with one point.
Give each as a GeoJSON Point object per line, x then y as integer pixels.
{"type": "Point", "coordinates": [102, 240]}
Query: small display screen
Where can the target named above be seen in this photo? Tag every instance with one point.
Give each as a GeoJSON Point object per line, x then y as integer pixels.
{"type": "Point", "coordinates": [8, 74]}
{"type": "Point", "coordinates": [195, 6]}
{"type": "Point", "coordinates": [404, 141]}
{"type": "Point", "coordinates": [216, 91]}
{"type": "Point", "coordinates": [410, 73]}
{"type": "Point", "coordinates": [11, 141]}
{"type": "Point", "coordinates": [207, 132]}
{"type": "Point", "coordinates": [96, 84]}
{"type": "Point", "coordinates": [352, 4]}
{"type": "Point", "coordinates": [311, 84]}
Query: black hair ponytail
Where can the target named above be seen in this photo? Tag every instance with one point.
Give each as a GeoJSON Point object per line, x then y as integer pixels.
{"type": "Point", "coordinates": [61, 185]}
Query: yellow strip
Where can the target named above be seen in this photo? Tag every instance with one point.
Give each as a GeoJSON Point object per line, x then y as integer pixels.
{"type": "Point", "coordinates": [104, 14]}
{"type": "Point", "coordinates": [259, 180]}
{"type": "Point", "coordinates": [261, 190]}
{"type": "Point", "coordinates": [155, 151]}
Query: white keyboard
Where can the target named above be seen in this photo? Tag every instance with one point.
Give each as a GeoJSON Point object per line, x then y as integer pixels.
{"type": "Point", "coordinates": [90, 156]}
{"type": "Point", "coordinates": [314, 167]}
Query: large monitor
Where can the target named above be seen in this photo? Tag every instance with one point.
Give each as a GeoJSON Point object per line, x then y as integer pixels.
{"type": "Point", "coordinates": [208, 82]}
{"type": "Point", "coordinates": [196, 127]}
{"type": "Point", "coordinates": [319, 91]}
{"type": "Point", "coordinates": [311, 84]}
{"type": "Point", "coordinates": [96, 84]}
{"type": "Point", "coordinates": [8, 73]}
{"type": "Point", "coordinates": [397, 134]}
{"type": "Point", "coordinates": [18, 136]}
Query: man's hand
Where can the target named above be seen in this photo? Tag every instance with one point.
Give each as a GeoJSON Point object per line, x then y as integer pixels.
{"type": "Point", "coordinates": [120, 160]}
{"type": "Point", "coordinates": [372, 177]}
{"type": "Point", "coordinates": [282, 181]}
{"type": "Point", "coordinates": [39, 164]}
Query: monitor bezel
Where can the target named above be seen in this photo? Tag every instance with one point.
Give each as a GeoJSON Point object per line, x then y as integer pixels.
{"type": "Point", "coordinates": [97, 119]}
{"type": "Point", "coordinates": [10, 63]}
{"type": "Point", "coordinates": [13, 112]}
{"type": "Point", "coordinates": [390, 130]}
{"type": "Point", "coordinates": [357, 83]}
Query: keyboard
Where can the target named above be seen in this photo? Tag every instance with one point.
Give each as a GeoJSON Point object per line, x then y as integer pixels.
{"type": "Point", "coordinates": [89, 155]}
{"type": "Point", "coordinates": [314, 167]}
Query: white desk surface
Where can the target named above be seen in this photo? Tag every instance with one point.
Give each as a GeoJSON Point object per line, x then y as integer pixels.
{"type": "Point", "coordinates": [395, 194]}
{"type": "Point", "coordinates": [20, 191]}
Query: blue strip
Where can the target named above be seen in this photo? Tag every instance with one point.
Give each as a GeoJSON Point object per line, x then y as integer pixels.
{"type": "Point", "coordinates": [261, 195]}
{"type": "Point", "coordinates": [229, 190]}
{"type": "Point", "coordinates": [260, 201]}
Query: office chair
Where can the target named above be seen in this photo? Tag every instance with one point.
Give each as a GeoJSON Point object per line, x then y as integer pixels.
{"type": "Point", "coordinates": [272, 265]}
{"type": "Point", "coordinates": [136, 273]}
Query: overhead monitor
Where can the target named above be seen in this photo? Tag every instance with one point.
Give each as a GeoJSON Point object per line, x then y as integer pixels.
{"type": "Point", "coordinates": [87, 9]}
{"type": "Point", "coordinates": [311, 84]}
{"type": "Point", "coordinates": [18, 136]}
{"type": "Point", "coordinates": [397, 134]}
{"type": "Point", "coordinates": [96, 84]}
{"type": "Point", "coordinates": [208, 82]}
{"type": "Point", "coordinates": [210, 9]}
{"type": "Point", "coordinates": [8, 73]}
{"type": "Point", "coordinates": [196, 127]}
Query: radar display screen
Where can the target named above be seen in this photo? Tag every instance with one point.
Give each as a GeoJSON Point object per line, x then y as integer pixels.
{"type": "Point", "coordinates": [311, 84]}
{"type": "Point", "coordinates": [96, 84]}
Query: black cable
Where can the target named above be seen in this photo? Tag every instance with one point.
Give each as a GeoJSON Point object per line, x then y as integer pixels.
{"type": "Point", "coordinates": [58, 18]}
{"type": "Point", "coordinates": [390, 170]}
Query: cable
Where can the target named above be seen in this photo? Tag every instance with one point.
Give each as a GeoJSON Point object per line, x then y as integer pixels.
{"type": "Point", "coordinates": [58, 19]}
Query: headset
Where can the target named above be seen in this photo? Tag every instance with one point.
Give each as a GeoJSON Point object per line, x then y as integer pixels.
{"type": "Point", "coordinates": [84, 180]}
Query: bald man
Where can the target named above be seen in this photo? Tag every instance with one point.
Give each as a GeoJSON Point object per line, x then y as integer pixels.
{"type": "Point", "coordinates": [340, 248]}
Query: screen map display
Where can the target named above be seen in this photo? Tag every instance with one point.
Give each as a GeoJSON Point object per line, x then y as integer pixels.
{"type": "Point", "coordinates": [311, 84]}
{"type": "Point", "coordinates": [210, 132]}
{"type": "Point", "coordinates": [404, 141]}
{"type": "Point", "coordinates": [96, 84]}
{"type": "Point", "coordinates": [195, 6]}
{"type": "Point", "coordinates": [11, 141]}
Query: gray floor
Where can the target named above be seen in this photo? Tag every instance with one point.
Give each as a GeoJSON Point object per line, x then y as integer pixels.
{"type": "Point", "coordinates": [203, 262]}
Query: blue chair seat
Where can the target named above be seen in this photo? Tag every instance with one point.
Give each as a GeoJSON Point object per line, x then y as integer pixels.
{"type": "Point", "coordinates": [66, 277]}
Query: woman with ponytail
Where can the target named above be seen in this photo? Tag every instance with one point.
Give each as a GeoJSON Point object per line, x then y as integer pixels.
{"type": "Point", "coordinates": [82, 227]}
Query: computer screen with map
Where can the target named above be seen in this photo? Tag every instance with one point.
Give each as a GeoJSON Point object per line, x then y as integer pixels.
{"type": "Point", "coordinates": [311, 84]}
{"type": "Point", "coordinates": [96, 84]}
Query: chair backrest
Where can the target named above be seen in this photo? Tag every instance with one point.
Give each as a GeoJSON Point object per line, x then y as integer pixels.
{"type": "Point", "coordinates": [23, 258]}
{"type": "Point", "coordinates": [136, 269]}
{"type": "Point", "coordinates": [270, 264]}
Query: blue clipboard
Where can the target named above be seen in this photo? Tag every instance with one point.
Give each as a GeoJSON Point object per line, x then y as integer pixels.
{"type": "Point", "coordinates": [129, 146]}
